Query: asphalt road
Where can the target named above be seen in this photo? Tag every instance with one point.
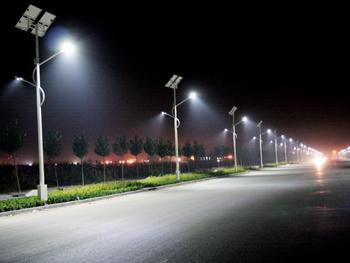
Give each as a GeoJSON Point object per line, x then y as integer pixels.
{"type": "Point", "coordinates": [293, 213]}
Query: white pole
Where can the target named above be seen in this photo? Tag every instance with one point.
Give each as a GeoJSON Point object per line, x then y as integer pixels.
{"type": "Point", "coordinates": [260, 146]}
{"type": "Point", "coordinates": [276, 148]}
{"type": "Point", "coordinates": [42, 187]}
{"type": "Point", "coordinates": [285, 153]}
{"type": "Point", "coordinates": [298, 155]}
{"type": "Point", "coordinates": [178, 176]}
{"type": "Point", "coordinates": [234, 140]}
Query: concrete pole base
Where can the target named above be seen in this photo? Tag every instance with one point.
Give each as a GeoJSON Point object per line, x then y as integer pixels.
{"type": "Point", "coordinates": [42, 192]}
{"type": "Point", "coordinates": [178, 175]}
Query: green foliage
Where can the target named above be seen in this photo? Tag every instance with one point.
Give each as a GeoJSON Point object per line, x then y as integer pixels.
{"type": "Point", "coordinates": [198, 150]}
{"type": "Point", "coordinates": [170, 148]}
{"type": "Point", "coordinates": [187, 150]}
{"type": "Point", "coordinates": [171, 179]}
{"type": "Point", "coordinates": [103, 189]}
{"type": "Point", "coordinates": [136, 146]}
{"type": "Point", "coordinates": [253, 168]}
{"type": "Point", "coordinates": [102, 147]}
{"type": "Point", "coordinates": [121, 146]}
{"type": "Point", "coordinates": [19, 203]}
{"type": "Point", "coordinates": [162, 148]}
{"type": "Point", "coordinates": [92, 190]}
{"type": "Point", "coordinates": [274, 164]}
{"type": "Point", "coordinates": [150, 147]}
{"type": "Point", "coordinates": [221, 151]}
{"type": "Point", "coordinates": [53, 144]}
{"type": "Point", "coordinates": [71, 194]}
{"type": "Point", "coordinates": [225, 171]}
{"type": "Point", "coordinates": [80, 146]}
{"type": "Point", "coordinates": [11, 138]}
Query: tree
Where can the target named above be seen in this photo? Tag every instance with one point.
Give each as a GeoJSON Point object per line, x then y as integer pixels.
{"type": "Point", "coordinates": [80, 149]}
{"type": "Point", "coordinates": [221, 151]}
{"type": "Point", "coordinates": [162, 151]}
{"type": "Point", "coordinates": [53, 148]}
{"type": "Point", "coordinates": [187, 151]}
{"type": "Point", "coordinates": [198, 151]}
{"type": "Point", "coordinates": [120, 148]}
{"type": "Point", "coordinates": [102, 149]}
{"type": "Point", "coordinates": [11, 140]}
{"type": "Point", "coordinates": [150, 147]}
{"type": "Point", "coordinates": [135, 147]}
{"type": "Point", "coordinates": [170, 151]}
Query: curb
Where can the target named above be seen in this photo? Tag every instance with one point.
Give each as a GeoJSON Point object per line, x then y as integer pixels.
{"type": "Point", "coordinates": [88, 200]}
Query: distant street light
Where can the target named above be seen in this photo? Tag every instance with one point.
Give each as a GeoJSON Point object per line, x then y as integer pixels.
{"type": "Point", "coordinates": [276, 148]}
{"type": "Point", "coordinates": [33, 85]}
{"type": "Point", "coordinates": [27, 23]}
{"type": "Point", "coordinates": [173, 83]}
{"type": "Point", "coordinates": [285, 148]}
{"type": "Point", "coordinates": [234, 134]}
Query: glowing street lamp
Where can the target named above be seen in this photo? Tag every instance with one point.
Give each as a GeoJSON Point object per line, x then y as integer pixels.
{"type": "Point", "coordinates": [276, 148]}
{"type": "Point", "coordinates": [33, 85]}
{"type": "Point", "coordinates": [173, 84]}
{"type": "Point", "coordinates": [28, 23]}
{"type": "Point", "coordinates": [234, 134]}
{"type": "Point", "coordinates": [284, 139]}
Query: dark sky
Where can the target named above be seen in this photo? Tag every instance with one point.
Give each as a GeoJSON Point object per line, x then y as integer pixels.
{"type": "Point", "coordinates": [280, 67]}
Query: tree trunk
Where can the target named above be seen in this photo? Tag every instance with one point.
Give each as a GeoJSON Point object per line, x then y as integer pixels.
{"type": "Point", "coordinates": [82, 170]}
{"type": "Point", "coordinates": [161, 161]}
{"type": "Point", "coordinates": [152, 168]}
{"type": "Point", "coordinates": [137, 168]}
{"type": "Point", "coordinates": [171, 165]}
{"type": "Point", "coordinates": [115, 171]}
{"type": "Point", "coordinates": [122, 171]}
{"type": "Point", "coordinates": [16, 173]}
{"type": "Point", "coordinates": [55, 170]}
{"type": "Point", "coordinates": [104, 170]}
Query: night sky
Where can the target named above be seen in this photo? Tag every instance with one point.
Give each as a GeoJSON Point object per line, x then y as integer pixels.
{"type": "Point", "coordinates": [279, 67]}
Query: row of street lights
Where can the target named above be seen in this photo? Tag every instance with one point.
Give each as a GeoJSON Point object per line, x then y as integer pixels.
{"type": "Point", "coordinates": [29, 22]}
{"type": "Point", "coordinates": [173, 84]}
{"type": "Point", "coordinates": [299, 148]}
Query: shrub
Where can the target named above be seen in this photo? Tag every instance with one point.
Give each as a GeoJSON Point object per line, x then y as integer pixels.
{"type": "Point", "coordinates": [109, 188]}
{"type": "Point", "coordinates": [20, 203]}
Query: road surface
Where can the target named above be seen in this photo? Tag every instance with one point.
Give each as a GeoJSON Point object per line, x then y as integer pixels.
{"type": "Point", "coordinates": [275, 215]}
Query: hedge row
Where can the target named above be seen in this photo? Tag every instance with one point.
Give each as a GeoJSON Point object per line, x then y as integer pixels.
{"type": "Point", "coordinates": [109, 188]}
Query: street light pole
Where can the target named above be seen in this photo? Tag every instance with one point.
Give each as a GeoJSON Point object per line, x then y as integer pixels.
{"type": "Point", "coordinates": [232, 112]}
{"type": "Point", "coordinates": [234, 136]}
{"type": "Point", "coordinates": [177, 171]}
{"type": "Point", "coordinates": [29, 23]}
{"type": "Point", "coordinates": [42, 187]}
{"type": "Point", "coordinates": [176, 126]}
{"type": "Point", "coordinates": [285, 152]}
{"type": "Point", "coordinates": [260, 145]}
{"type": "Point", "coordinates": [173, 83]}
{"type": "Point", "coordinates": [298, 159]}
{"type": "Point", "coordinates": [276, 147]}
{"type": "Point", "coordinates": [284, 144]}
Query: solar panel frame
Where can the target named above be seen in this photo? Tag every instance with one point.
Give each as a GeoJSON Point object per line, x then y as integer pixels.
{"type": "Point", "coordinates": [29, 16]}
